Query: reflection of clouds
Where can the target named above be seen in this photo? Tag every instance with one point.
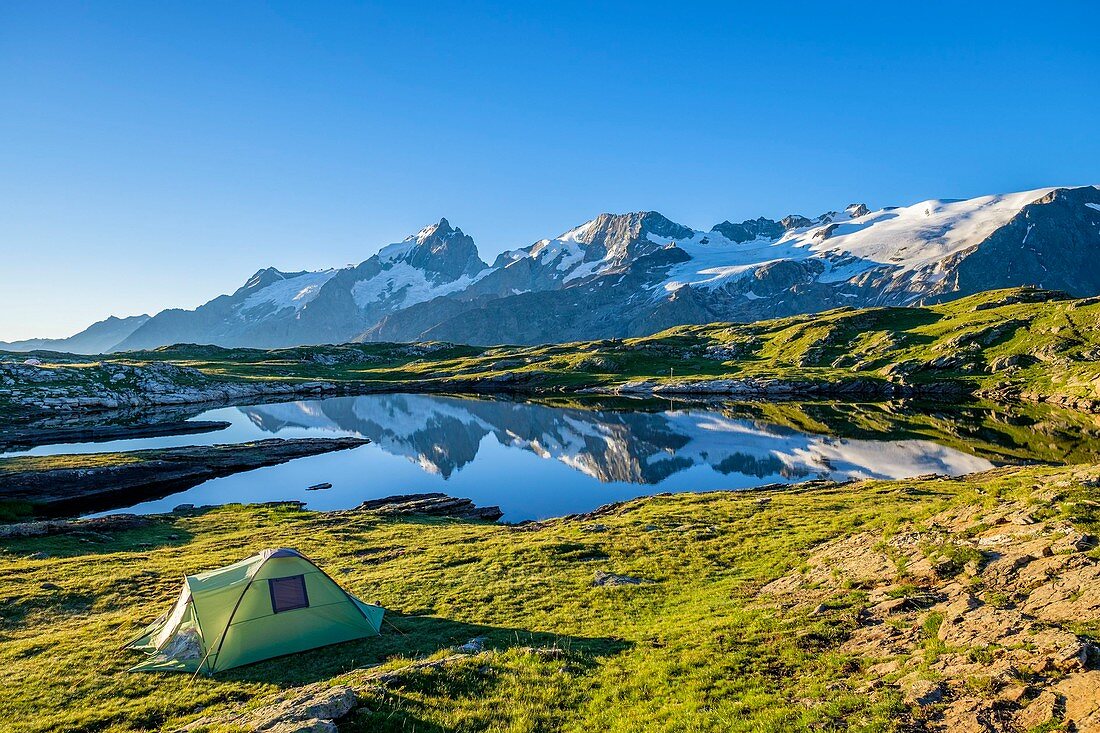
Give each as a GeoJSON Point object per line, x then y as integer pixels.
{"type": "Point", "coordinates": [443, 434]}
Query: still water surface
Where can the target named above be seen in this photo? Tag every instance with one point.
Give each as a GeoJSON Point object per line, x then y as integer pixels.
{"type": "Point", "coordinates": [536, 460]}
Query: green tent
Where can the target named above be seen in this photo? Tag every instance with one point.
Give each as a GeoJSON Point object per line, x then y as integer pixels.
{"type": "Point", "coordinates": [274, 603]}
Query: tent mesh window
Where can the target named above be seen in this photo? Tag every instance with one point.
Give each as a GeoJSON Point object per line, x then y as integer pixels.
{"type": "Point", "coordinates": [288, 593]}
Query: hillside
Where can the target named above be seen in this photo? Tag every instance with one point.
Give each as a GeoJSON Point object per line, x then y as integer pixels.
{"type": "Point", "coordinates": [1012, 344]}
{"type": "Point", "coordinates": [926, 604]}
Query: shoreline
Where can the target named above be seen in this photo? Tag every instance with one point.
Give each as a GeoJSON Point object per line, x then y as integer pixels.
{"type": "Point", "coordinates": [749, 389]}
{"type": "Point", "coordinates": [66, 484]}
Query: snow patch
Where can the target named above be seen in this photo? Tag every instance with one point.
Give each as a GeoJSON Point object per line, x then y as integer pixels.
{"type": "Point", "coordinates": [407, 284]}
{"type": "Point", "coordinates": [912, 239]}
{"type": "Point", "coordinates": [291, 292]}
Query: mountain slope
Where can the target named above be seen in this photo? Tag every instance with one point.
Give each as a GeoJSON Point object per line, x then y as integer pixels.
{"type": "Point", "coordinates": [625, 275]}
{"type": "Point", "coordinates": [1023, 343]}
{"type": "Point", "coordinates": [95, 339]}
{"type": "Point", "coordinates": [279, 309]}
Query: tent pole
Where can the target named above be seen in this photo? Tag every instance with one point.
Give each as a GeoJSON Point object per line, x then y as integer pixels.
{"type": "Point", "coordinates": [330, 579]}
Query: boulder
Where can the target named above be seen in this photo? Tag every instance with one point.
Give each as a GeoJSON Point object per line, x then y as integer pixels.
{"type": "Point", "coordinates": [1082, 700]}
{"type": "Point", "coordinates": [613, 580]}
{"type": "Point", "coordinates": [310, 709]}
{"type": "Point", "coordinates": [1038, 711]}
{"type": "Point", "coordinates": [923, 692]}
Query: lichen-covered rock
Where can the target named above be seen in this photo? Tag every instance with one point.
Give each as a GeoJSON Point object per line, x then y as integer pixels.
{"type": "Point", "coordinates": [311, 709]}
{"type": "Point", "coordinates": [605, 579]}
{"type": "Point", "coordinates": [1017, 587]}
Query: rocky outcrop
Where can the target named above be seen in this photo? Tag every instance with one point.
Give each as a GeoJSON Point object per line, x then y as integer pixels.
{"type": "Point", "coordinates": [430, 504]}
{"type": "Point", "coordinates": [972, 615]}
{"type": "Point", "coordinates": [94, 525]}
{"type": "Point", "coordinates": [68, 483]}
{"type": "Point", "coordinates": [29, 436]}
{"type": "Point", "coordinates": [311, 709]}
{"type": "Point", "coordinates": [604, 579]}
{"type": "Point", "coordinates": [750, 229]}
{"type": "Point", "coordinates": [764, 387]}
{"type": "Point", "coordinates": [112, 386]}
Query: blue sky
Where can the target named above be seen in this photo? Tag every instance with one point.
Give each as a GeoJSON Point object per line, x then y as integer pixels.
{"type": "Point", "coordinates": [156, 154]}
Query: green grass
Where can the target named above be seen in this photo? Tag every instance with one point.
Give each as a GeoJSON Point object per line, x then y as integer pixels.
{"type": "Point", "coordinates": [17, 464]}
{"type": "Point", "coordinates": [999, 341]}
{"type": "Point", "coordinates": [695, 650]}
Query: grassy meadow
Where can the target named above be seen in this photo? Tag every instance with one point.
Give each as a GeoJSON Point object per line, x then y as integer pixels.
{"type": "Point", "coordinates": [692, 648]}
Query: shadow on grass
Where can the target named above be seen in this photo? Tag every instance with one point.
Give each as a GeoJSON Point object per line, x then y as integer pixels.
{"type": "Point", "coordinates": [91, 541]}
{"type": "Point", "coordinates": [392, 699]}
{"type": "Point", "coordinates": [415, 637]}
{"type": "Point", "coordinates": [14, 611]}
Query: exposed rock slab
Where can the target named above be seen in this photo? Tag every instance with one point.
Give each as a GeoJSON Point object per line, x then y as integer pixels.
{"type": "Point", "coordinates": [614, 580]}
{"type": "Point", "coordinates": [30, 436]}
{"type": "Point", "coordinates": [110, 523]}
{"type": "Point", "coordinates": [310, 709]}
{"type": "Point", "coordinates": [51, 388]}
{"type": "Point", "coordinates": [433, 504]}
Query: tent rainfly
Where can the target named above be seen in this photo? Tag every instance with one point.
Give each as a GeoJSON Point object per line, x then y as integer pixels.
{"type": "Point", "coordinates": [274, 603]}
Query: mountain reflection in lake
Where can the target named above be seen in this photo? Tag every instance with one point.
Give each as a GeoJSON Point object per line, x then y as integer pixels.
{"type": "Point", "coordinates": [443, 435]}
{"type": "Point", "coordinates": [538, 460]}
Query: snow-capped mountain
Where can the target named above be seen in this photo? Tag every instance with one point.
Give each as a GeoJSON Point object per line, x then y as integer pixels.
{"type": "Point", "coordinates": [633, 274]}
{"type": "Point", "coordinates": [275, 308]}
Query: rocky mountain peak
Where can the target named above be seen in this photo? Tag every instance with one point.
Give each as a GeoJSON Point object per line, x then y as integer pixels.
{"type": "Point", "coordinates": [857, 210]}
{"type": "Point", "coordinates": [621, 237]}
{"type": "Point", "coordinates": [794, 221]}
{"type": "Point", "coordinates": [440, 229]}
{"type": "Point", "coordinates": [263, 278]}
{"type": "Point", "coordinates": [440, 249]}
{"type": "Point", "coordinates": [749, 229]}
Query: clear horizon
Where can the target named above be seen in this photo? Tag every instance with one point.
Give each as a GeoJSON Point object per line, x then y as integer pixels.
{"type": "Point", "coordinates": [156, 156]}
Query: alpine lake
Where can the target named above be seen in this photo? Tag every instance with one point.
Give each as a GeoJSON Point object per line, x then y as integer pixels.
{"type": "Point", "coordinates": [551, 457]}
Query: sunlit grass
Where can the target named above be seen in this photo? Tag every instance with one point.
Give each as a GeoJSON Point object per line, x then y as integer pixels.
{"type": "Point", "coordinates": [694, 650]}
